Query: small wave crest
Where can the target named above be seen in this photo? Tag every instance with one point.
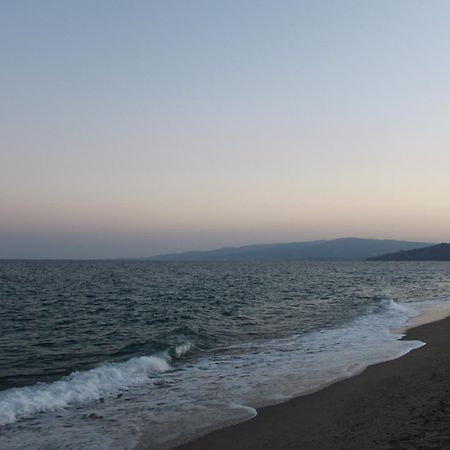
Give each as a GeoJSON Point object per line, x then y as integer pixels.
{"type": "Point", "coordinates": [78, 387]}
{"type": "Point", "coordinates": [402, 308]}
{"type": "Point", "coordinates": [183, 349]}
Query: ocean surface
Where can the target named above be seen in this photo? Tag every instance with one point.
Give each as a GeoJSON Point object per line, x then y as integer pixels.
{"type": "Point", "coordinates": [136, 354]}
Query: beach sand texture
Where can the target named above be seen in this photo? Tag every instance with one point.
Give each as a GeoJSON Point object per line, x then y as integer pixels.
{"type": "Point", "coordinates": [399, 404]}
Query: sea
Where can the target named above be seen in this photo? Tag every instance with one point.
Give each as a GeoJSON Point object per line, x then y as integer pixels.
{"type": "Point", "coordinates": [143, 354]}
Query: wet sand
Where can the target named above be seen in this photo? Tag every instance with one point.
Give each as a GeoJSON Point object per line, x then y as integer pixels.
{"type": "Point", "coordinates": [400, 404]}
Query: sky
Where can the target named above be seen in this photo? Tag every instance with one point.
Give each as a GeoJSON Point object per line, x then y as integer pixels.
{"type": "Point", "coordinates": [132, 128]}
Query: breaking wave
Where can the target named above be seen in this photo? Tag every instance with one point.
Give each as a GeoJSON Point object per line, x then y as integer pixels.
{"type": "Point", "coordinates": [90, 385]}
{"type": "Point", "coordinates": [364, 337]}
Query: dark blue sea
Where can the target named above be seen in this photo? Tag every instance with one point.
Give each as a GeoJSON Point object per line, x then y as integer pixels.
{"type": "Point", "coordinates": [126, 354]}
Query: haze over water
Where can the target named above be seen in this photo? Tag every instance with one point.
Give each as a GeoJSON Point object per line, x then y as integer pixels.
{"type": "Point", "coordinates": [132, 129]}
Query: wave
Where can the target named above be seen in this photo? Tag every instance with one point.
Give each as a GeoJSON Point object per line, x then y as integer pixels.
{"type": "Point", "coordinates": [110, 379]}
{"type": "Point", "coordinates": [409, 311]}
{"type": "Point", "coordinates": [90, 385]}
{"type": "Point", "coordinates": [78, 387]}
{"type": "Point", "coordinates": [182, 350]}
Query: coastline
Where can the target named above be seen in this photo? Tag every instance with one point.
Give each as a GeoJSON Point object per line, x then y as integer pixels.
{"type": "Point", "coordinates": [402, 403]}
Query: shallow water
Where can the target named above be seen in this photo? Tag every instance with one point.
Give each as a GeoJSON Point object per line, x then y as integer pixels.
{"type": "Point", "coordinates": [109, 354]}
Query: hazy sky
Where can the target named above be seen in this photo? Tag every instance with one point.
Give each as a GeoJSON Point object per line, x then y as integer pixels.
{"type": "Point", "coordinates": [139, 127]}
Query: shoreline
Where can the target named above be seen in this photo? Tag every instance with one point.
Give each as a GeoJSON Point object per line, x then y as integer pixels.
{"type": "Point", "coordinates": [401, 403]}
{"type": "Point", "coordinates": [426, 316]}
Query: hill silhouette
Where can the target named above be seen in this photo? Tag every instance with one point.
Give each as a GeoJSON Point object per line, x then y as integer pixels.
{"type": "Point", "coordinates": [439, 252]}
{"type": "Point", "coordinates": [344, 249]}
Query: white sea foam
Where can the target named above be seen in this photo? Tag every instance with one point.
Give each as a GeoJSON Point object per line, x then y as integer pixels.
{"type": "Point", "coordinates": [408, 310]}
{"type": "Point", "coordinates": [183, 349]}
{"type": "Point", "coordinates": [248, 409]}
{"type": "Point", "coordinates": [79, 387]}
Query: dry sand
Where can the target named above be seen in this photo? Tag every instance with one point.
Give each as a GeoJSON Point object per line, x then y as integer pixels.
{"type": "Point", "coordinates": [400, 404]}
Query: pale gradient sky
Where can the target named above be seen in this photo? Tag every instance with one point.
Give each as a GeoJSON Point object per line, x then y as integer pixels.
{"type": "Point", "coordinates": [130, 128]}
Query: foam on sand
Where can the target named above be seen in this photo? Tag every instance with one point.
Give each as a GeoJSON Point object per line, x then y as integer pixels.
{"type": "Point", "coordinates": [427, 312]}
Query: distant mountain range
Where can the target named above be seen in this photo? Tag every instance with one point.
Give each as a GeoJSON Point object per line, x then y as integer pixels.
{"type": "Point", "coordinates": [439, 252]}
{"type": "Point", "coordinates": [345, 249]}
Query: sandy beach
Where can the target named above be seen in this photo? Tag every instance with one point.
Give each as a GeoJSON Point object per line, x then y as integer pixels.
{"type": "Point", "coordinates": [403, 403]}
